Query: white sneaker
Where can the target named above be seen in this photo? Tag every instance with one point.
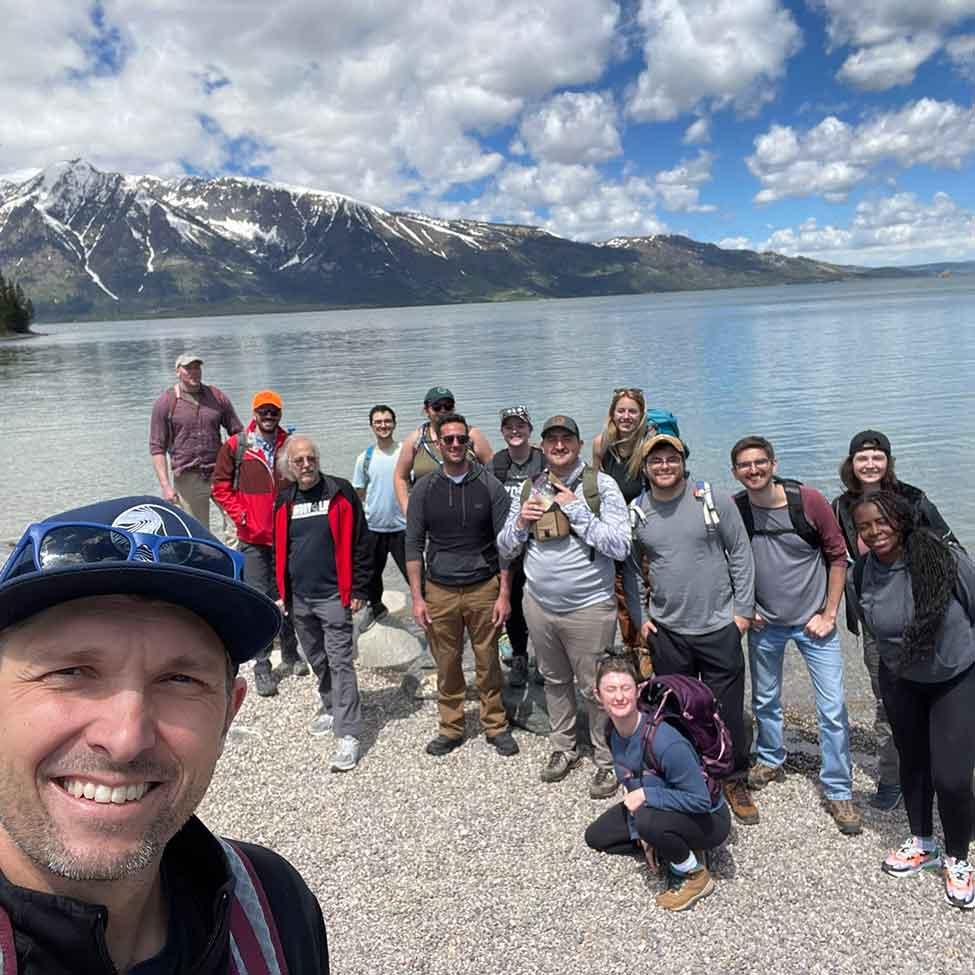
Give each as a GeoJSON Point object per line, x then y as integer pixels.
{"type": "Point", "coordinates": [321, 725]}
{"type": "Point", "coordinates": [346, 754]}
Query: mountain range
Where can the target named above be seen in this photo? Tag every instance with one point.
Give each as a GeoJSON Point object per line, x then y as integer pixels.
{"type": "Point", "coordinates": [90, 244]}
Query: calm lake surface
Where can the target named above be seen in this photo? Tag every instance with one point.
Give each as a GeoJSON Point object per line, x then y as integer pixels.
{"type": "Point", "coordinates": [805, 366]}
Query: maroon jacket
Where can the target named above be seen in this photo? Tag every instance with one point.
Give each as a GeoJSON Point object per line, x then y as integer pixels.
{"type": "Point", "coordinates": [251, 505]}
{"type": "Point", "coordinates": [350, 537]}
{"type": "Point", "coordinates": [189, 429]}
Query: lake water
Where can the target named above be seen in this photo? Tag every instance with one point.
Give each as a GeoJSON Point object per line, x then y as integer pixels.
{"type": "Point", "coordinates": [805, 366]}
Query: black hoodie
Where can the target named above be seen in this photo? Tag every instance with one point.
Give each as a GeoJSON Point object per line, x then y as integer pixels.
{"type": "Point", "coordinates": [457, 524]}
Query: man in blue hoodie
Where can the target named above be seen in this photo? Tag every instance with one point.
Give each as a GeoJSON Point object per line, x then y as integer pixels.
{"type": "Point", "coordinates": [454, 516]}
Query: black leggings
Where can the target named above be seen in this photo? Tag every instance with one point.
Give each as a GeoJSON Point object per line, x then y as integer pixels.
{"type": "Point", "coordinates": [516, 626]}
{"type": "Point", "coordinates": [934, 730]}
{"type": "Point", "coordinates": [672, 834]}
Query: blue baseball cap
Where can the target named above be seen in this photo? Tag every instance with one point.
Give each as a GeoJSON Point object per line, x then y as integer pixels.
{"type": "Point", "coordinates": [133, 546]}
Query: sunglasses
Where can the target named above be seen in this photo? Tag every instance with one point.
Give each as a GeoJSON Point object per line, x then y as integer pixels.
{"type": "Point", "coordinates": [628, 389]}
{"type": "Point", "coordinates": [47, 547]}
{"type": "Point", "coordinates": [268, 411]}
{"type": "Point", "coordinates": [455, 438]}
{"type": "Point", "coordinates": [442, 406]}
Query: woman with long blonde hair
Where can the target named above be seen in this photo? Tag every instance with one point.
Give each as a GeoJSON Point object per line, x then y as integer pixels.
{"type": "Point", "coordinates": [616, 452]}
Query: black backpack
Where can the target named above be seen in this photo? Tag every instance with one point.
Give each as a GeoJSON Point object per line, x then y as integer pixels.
{"type": "Point", "coordinates": [793, 498]}
{"type": "Point", "coordinates": [502, 463]}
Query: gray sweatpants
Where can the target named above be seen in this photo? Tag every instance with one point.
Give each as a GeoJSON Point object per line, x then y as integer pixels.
{"type": "Point", "coordinates": [567, 647]}
{"type": "Point", "coordinates": [324, 629]}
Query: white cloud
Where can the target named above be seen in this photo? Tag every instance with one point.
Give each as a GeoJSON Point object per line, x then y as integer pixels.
{"type": "Point", "coordinates": [883, 66]}
{"type": "Point", "coordinates": [892, 38]}
{"type": "Point", "coordinates": [380, 100]}
{"type": "Point", "coordinates": [899, 229]}
{"type": "Point", "coordinates": [679, 188]}
{"type": "Point", "coordinates": [573, 201]}
{"type": "Point", "coordinates": [961, 54]}
{"type": "Point", "coordinates": [573, 127]}
{"type": "Point", "coordinates": [833, 157]}
{"type": "Point", "coordinates": [713, 52]}
{"type": "Point", "coordinates": [698, 132]}
{"type": "Point", "coordinates": [735, 244]}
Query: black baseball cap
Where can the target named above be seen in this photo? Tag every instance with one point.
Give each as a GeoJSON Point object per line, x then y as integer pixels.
{"type": "Point", "coordinates": [243, 617]}
{"type": "Point", "coordinates": [436, 393]}
{"type": "Point", "coordinates": [560, 422]}
{"type": "Point", "coordinates": [867, 439]}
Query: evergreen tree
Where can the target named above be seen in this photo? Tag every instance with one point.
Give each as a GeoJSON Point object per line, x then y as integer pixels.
{"type": "Point", "coordinates": [16, 309]}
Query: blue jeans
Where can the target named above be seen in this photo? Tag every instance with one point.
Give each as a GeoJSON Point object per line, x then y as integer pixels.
{"type": "Point", "coordinates": [824, 660]}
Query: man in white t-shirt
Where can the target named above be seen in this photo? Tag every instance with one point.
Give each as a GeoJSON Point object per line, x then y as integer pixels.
{"type": "Point", "coordinates": [373, 481]}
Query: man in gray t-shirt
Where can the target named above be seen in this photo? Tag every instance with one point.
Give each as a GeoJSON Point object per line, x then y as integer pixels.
{"type": "Point", "coordinates": [795, 537]}
{"type": "Point", "coordinates": [702, 591]}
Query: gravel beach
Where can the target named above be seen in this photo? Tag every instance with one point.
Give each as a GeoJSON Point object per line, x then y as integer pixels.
{"type": "Point", "coordinates": [469, 863]}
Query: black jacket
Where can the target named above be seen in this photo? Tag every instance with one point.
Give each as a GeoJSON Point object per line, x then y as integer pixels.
{"type": "Point", "coordinates": [457, 524]}
{"type": "Point", "coordinates": [62, 936]}
{"type": "Point", "coordinates": [926, 514]}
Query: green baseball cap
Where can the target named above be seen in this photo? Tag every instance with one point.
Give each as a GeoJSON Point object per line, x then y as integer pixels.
{"type": "Point", "coordinates": [435, 393]}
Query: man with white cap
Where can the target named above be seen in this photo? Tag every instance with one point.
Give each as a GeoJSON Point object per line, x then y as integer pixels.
{"type": "Point", "coordinates": [185, 424]}
{"type": "Point", "coordinates": [122, 627]}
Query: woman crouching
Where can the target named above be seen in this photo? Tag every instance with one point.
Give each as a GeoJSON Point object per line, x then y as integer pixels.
{"type": "Point", "coordinates": [917, 596]}
{"type": "Point", "coordinates": [669, 812]}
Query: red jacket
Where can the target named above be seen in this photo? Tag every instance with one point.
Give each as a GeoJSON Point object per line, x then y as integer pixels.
{"type": "Point", "coordinates": [251, 506]}
{"type": "Point", "coordinates": [350, 539]}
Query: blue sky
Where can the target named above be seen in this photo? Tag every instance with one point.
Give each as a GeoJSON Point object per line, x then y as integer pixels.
{"type": "Point", "coordinates": [841, 131]}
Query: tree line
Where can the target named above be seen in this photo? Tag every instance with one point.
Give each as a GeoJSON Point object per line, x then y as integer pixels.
{"type": "Point", "coordinates": [16, 309]}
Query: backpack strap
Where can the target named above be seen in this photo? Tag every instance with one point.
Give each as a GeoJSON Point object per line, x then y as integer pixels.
{"type": "Point", "coordinates": [702, 492]}
{"type": "Point", "coordinates": [793, 497]}
{"type": "Point", "coordinates": [255, 947]}
{"type": "Point", "coordinates": [366, 461]}
{"type": "Point", "coordinates": [172, 398]}
{"type": "Point", "coordinates": [745, 510]}
{"type": "Point", "coordinates": [240, 448]}
{"type": "Point", "coordinates": [858, 568]}
{"type": "Point", "coordinates": [8, 950]}
{"type": "Point", "coordinates": [590, 490]}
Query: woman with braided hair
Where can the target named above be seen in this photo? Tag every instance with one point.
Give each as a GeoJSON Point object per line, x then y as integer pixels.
{"type": "Point", "coordinates": [917, 595]}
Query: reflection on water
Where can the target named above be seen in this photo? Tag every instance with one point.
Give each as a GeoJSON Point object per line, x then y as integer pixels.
{"type": "Point", "coordinates": [805, 366]}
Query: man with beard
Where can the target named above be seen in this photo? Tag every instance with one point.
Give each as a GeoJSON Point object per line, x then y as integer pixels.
{"type": "Point", "coordinates": [122, 627]}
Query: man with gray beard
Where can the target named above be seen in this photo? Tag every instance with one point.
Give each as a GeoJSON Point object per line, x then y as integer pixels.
{"type": "Point", "coordinates": [122, 628]}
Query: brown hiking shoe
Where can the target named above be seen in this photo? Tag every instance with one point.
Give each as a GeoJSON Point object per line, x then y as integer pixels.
{"type": "Point", "coordinates": [845, 815]}
{"type": "Point", "coordinates": [760, 774]}
{"type": "Point", "coordinates": [685, 890]}
{"type": "Point", "coordinates": [740, 800]}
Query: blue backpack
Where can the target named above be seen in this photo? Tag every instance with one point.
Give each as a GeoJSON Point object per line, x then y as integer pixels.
{"type": "Point", "coordinates": [662, 421]}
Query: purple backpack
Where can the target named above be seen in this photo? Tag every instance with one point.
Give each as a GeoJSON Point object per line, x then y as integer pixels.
{"type": "Point", "coordinates": [689, 705]}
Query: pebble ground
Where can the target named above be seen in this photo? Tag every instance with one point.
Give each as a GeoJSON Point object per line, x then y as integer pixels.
{"type": "Point", "coordinates": [469, 864]}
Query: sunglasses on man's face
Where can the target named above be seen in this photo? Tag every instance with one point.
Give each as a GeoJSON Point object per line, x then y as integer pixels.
{"type": "Point", "coordinates": [269, 412]}
{"type": "Point", "coordinates": [442, 406]}
{"type": "Point", "coordinates": [455, 438]}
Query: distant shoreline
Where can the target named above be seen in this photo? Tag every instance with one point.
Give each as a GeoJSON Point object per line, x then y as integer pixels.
{"type": "Point", "coordinates": [17, 336]}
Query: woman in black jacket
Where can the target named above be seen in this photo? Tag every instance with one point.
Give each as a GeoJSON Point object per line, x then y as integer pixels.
{"type": "Point", "coordinates": [867, 469]}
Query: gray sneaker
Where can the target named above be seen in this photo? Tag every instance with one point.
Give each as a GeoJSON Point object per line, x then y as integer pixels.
{"type": "Point", "coordinates": [321, 725]}
{"type": "Point", "coordinates": [346, 754]}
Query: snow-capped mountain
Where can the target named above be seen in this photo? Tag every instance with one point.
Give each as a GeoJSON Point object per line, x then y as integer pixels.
{"type": "Point", "coordinates": [85, 243]}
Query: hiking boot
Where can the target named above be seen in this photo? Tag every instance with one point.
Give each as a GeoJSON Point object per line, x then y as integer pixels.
{"type": "Point", "coordinates": [559, 766]}
{"type": "Point", "coordinates": [505, 649]}
{"type": "Point", "coordinates": [910, 859]}
{"type": "Point", "coordinates": [740, 801]}
{"type": "Point", "coordinates": [370, 615]}
{"type": "Point", "coordinates": [321, 724]}
{"type": "Point", "coordinates": [301, 668]}
{"type": "Point", "coordinates": [685, 890]}
{"type": "Point", "coordinates": [845, 815]}
{"type": "Point", "coordinates": [537, 676]}
{"type": "Point", "coordinates": [346, 754]}
{"type": "Point", "coordinates": [604, 784]}
{"type": "Point", "coordinates": [264, 682]}
{"type": "Point", "coordinates": [959, 883]}
{"type": "Point", "coordinates": [283, 670]}
{"type": "Point", "coordinates": [887, 797]}
{"type": "Point", "coordinates": [443, 745]}
{"type": "Point", "coordinates": [504, 743]}
{"type": "Point", "coordinates": [760, 774]}
{"type": "Point", "coordinates": [518, 676]}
